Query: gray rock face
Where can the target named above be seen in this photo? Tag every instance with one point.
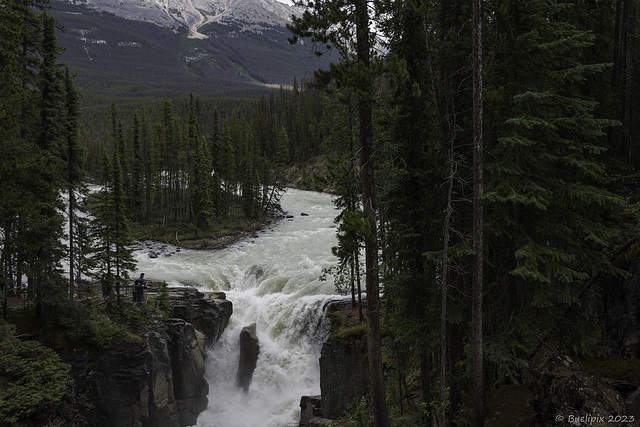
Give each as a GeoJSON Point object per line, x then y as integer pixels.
{"type": "Point", "coordinates": [310, 407]}
{"type": "Point", "coordinates": [344, 371]}
{"type": "Point", "coordinates": [632, 405]}
{"type": "Point", "coordinates": [159, 382]}
{"type": "Point", "coordinates": [344, 374]}
{"type": "Point", "coordinates": [249, 351]}
{"type": "Point", "coordinates": [621, 331]}
{"type": "Point", "coordinates": [208, 313]}
{"type": "Point", "coordinates": [187, 350]}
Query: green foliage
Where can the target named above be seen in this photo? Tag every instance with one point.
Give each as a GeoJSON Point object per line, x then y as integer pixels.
{"type": "Point", "coordinates": [545, 194]}
{"type": "Point", "coordinates": [39, 151]}
{"type": "Point", "coordinates": [32, 377]}
{"type": "Point", "coordinates": [359, 412]}
{"type": "Point", "coordinates": [92, 327]}
{"type": "Point", "coordinates": [161, 302]}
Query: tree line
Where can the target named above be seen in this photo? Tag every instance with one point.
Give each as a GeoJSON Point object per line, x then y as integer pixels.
{"type": "Point", "coordinates": [556, 123]}
{"type": "Point", "coordinates": [205, 166]}
{"type": "Point", "coordinates": [481, 146]}
{"type": "Point", "coordinates": [42, 157]}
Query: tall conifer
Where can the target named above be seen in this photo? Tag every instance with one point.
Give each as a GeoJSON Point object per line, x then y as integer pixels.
{"type": "Point", "coordinates": [545, 194]}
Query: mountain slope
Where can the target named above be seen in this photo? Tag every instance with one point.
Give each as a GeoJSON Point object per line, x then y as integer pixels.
{"type": "Point", "coordinates": [193, 14]}
{"type": "Point", "coordinates": [237, 54]}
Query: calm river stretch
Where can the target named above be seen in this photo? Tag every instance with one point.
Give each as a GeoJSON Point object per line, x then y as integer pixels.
{"type": "Point", "coordinates": [272, 280]}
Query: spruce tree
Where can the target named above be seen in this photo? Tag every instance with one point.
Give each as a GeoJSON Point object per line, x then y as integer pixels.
{"type": "Point", "coordinates": [75, 158]}
{"type": "Point", "coordinates": [123, 260]}
{"type": "Point", "coordinates": [203, 206]}
{"type": "Point", "coordinates": [45, 221]}
{"type": "Point", "coordinates": [545, 190]}
{"type": "Point", "coordinates": [113, 254]}
{"type": "Point", "coordinates": [136, 201]}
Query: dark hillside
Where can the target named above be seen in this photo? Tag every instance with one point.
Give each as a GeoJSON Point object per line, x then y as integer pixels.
{"type": "Point", "coordinates": [116, 57]}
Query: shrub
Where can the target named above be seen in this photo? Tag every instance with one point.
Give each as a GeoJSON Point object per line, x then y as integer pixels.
{"type": "Point", "coordinates": [32, 377]}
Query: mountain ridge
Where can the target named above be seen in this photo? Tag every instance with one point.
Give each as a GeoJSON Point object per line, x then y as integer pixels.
{"type": "Point", "coordinates": [193, 14]}
{"type": "Point", "coordinates": [239, 55]}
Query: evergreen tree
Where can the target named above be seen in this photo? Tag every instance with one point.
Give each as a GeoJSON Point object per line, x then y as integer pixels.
{"type": "Point", "coordinates": [44, 224]}
{"type": "Point", "coordinates": [251, 196]}
{"type": "Point", "coordinates": [215, 149]}
{"type": "Point", "coordinates": [113, 255]}
{"type": "Point", "coordinates": [123, 259]}
{"type": "Point", "coordinates": [76, 173]}
{"type": "Point", "coordinates": [545, 193]}
{"type": "Point", "coordinates": [279, 164]}
{"type": "Point", "coordinates": [203, 206]}
{"type": "Point", "coordinates": [323, 21]}
{"type": "Point", "coordinates": [103, 226]}
{"type": "Point", "coordinates": [228, 171]}
{"type": "Point", "coordinates": [137, 168]}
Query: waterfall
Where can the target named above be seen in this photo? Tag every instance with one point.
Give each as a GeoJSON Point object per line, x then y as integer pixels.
{"type": "Point", "coordinates": [273, 281]}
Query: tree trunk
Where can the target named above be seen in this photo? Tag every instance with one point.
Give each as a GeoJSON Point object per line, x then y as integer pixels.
{"type": "Point", "coordinates": [72, 256]}
{"type": "Point", "coordinates": [369, 211]}
{"type": "Point", "coordinates": [444, 288]}
{"type": "Point", "coordinates": [478, 218]}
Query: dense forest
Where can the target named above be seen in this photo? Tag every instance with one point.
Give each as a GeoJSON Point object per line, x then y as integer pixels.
{"type": "Point", "coordinates": [477, 150]}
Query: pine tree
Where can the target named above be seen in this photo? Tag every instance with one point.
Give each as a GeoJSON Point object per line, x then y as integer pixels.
{"type": "Point", "coordinates": [215, 150]}
{"type": "Point", "coordinates": [250, 186]}
{"type": "Point", "coordinates": [123, 260]}
{"type": "Point", "coordinates": [113, 255]}
{"type": "Point", "coordinates": [323, 21]}
{"type": "Point", "coordinates": [414, 202]}
{"type": "Point", "coordinates": [103, 226]}
{"type": "Point", "coordinates": [136, 201]}
{"type": "Point", "coordinates": [477, 330]}
{"type": "Point", "coordinates": [228, 171]}
{"type": "Point", "coordinates": [203, 206]}
{"type": "Point", "coordinates": [76, 173]}
{"type": "Point", "coordinates": [45, 222]}
{"type": "Point", "coordinates": [276, 190]}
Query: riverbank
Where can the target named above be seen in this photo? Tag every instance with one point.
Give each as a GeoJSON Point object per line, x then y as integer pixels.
{"type": "Point", "coordinates": [163, 240]}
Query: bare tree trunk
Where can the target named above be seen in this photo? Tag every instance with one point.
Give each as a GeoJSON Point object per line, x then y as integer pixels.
{"type": "Point", "coordinates": [478, 219]}
{"type": "Point", "coordinates": [629, 102]}
{"type": "Point", "coordinates": [380, 416]}
{"type": "Point", "coordinates": [72, 244]}
{"type": "Point", "coordinates": [445, 284]}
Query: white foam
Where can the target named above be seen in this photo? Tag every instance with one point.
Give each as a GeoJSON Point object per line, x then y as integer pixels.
{"type": "Point", "coordinates": [272, 280]}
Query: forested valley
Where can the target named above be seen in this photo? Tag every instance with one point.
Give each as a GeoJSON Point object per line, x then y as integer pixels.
{"type": "Point", "coordinates": [477, 151]}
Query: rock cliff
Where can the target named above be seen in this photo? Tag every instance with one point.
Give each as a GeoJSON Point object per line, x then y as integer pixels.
{"type": "Point", "coordinates": [344, 371]}
{"type": "Point", "coordinates": [159, 382]}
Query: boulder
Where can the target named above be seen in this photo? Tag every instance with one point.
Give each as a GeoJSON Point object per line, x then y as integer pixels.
{"type": "Point", "coordinates": [564, 389]}
{"type": "Point", "coordinates": [310, 407]}
{"type": "Point", "coordinates": [621, 297]}
{"type": "Point", "coordinates": [319, 422]}
{"type": "Point", "coordinates": [249, 351]}
{"type": "Point", "coordinates": [208, 314]}
{"type": "Point", "coordinates": [632, 405]}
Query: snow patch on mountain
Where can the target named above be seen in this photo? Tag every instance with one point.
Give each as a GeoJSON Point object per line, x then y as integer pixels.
{"type": "Point", "coordinates": [249, 15]}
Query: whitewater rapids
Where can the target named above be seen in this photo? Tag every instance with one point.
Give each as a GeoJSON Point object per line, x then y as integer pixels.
{"type": "Point", "coordinates": [274, 281]}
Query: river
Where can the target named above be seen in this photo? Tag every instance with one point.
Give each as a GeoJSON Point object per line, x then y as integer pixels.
{"type": "Point", "coordinates": [272, 280]}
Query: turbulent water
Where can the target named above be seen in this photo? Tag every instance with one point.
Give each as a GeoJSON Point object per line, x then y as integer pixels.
{"type": "Point", "coordinates": [272, 280]}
